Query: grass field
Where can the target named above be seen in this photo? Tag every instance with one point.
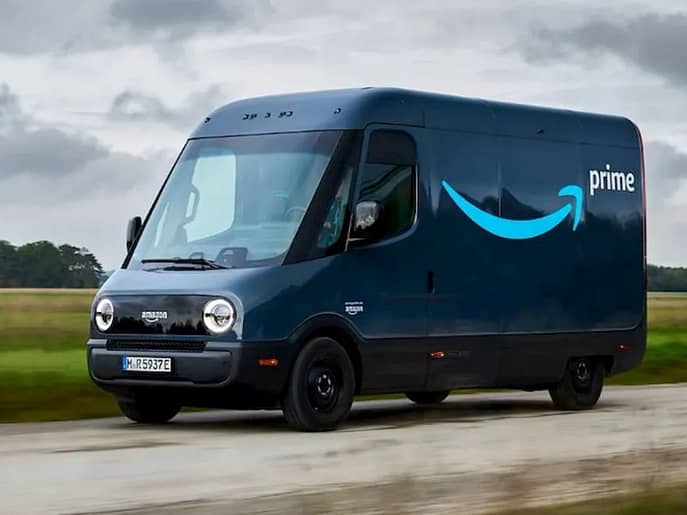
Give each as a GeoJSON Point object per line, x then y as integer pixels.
{"type": "Point", "coordinates": [660, 501]}
{"type": "Point", "coordinates": [43, 361]}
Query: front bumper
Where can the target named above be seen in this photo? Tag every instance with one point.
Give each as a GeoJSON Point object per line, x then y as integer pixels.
{"type": "Point", "coordinates": [218, 365]}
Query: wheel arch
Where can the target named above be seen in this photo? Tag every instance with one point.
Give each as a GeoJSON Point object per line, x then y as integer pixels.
{"type": "Point", "coordinates": [607, 361]}
{"type": "Point", "coordinates": [332, 326]}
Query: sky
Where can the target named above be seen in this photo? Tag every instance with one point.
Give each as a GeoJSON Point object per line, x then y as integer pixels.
{"type": "Point", "coordinates": [97, 98]}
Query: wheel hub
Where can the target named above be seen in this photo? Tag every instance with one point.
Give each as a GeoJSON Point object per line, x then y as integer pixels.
{"type": "Point", "coordinates": [582, 374]}
{"type": "Point", "coordinates": [323, 387]}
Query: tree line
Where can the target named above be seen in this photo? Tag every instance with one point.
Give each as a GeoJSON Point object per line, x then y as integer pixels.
{"type": "Point", "coordinates": [41, 264]}
{"type": "Point", "coordinates": [665, 278]}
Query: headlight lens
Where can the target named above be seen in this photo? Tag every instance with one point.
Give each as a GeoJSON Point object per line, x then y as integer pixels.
{"type": "Point", "coordinates": [104, 315]}
{"type": "Point", "coordinates": [218, 316]}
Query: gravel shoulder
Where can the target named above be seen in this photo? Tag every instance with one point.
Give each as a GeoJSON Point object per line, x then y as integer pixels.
{"type": "Point", "coordinates": [470, 454]}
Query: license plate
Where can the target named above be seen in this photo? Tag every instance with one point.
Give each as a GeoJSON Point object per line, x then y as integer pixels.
{"type": "Point", "coordinates": [146, 364]}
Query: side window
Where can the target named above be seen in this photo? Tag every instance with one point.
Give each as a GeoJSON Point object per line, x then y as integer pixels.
{"type": "Point", "coordinates": [388, 178]}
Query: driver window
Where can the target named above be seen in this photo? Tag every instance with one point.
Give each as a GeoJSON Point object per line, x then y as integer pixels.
{"type": "Point", "coordinates": [388, 178]}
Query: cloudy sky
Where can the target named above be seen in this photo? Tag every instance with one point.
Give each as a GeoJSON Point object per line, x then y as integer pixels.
{"type": "Point", "coordinates": [96, 98]}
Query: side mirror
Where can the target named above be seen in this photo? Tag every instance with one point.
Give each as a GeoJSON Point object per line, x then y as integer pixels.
{"type": "Point", "coordinates": [367, 214]}
{"type": "Point", "coordinates": [132, 230]}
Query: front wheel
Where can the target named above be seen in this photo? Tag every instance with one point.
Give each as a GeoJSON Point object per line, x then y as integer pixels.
{"type": "Point", "coordinates": [427, 398]}
{"type": "Point", "coordinates": [581, 385]}
{"type": "Point", "coordinates": [148, 410]}
{"type": "Point", "coordinates": [321, 386]}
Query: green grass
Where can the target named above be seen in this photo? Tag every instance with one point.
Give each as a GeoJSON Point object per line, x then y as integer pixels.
{"type": "Point", "coordinates": [663, 501]}
{"type": "Point", "coordinates": [43, 372]}
{"type": "Point", "coordinates": [665, 360]}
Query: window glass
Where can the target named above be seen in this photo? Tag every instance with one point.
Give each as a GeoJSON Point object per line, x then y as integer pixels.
{"type": "Point", "coordinates": [388, 178]}
{"type": "Point", "coordinates": [336, 216]}
{"type": "Point", "coordinates": [214, 211]}
{"type": "Point", "coordinates": [236, 200]}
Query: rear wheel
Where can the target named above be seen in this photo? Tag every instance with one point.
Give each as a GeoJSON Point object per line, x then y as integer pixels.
{"type": "Point", "coordinates": [148, 410]}
{"type": "Point", "coordinates": [321, 386]}
{"type": "Point", "coordinates": [581, 385]}
{"type": "Point", "coordinates": [427, 398]}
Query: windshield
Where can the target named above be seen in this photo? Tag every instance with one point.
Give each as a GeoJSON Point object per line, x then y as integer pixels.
{"type": "Point", "coordinates": [237, 201]}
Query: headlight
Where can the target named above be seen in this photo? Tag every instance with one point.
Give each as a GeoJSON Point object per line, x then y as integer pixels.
{"type": "Point", "coordinates": [218, 316]}
{"type": "Point", "coordinates": [104, 315]}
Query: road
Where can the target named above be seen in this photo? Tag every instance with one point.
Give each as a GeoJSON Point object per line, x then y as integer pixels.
{"type": "Point", "coordinates": [472, 453]}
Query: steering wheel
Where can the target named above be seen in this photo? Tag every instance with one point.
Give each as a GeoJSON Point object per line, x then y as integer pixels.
{"type": "Point", "coordinates": [294, 209]}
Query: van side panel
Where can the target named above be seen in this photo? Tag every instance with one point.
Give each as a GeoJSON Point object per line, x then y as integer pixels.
{"type": "Point", "coordinates": [465, 258]}
{"type": "Point", "coordinates": [467, 297]}
{"type": "Point", "coordinates": [570, 278]}
{"type": "Point", "coordinates": [613, 238]}
{"type": "Point", "coordinates": [589, 278]}
{"type": "Point", "coordinates": [537, 274]}
{"type": "Point", "coordinates": [513, 311]}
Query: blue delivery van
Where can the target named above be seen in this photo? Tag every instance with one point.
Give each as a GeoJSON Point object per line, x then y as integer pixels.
{"type": "Point", "coordinates": [307, 248]}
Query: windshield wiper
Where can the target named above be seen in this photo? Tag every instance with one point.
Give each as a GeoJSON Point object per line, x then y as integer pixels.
{"type": "Point", "coordinates": [208, 264]}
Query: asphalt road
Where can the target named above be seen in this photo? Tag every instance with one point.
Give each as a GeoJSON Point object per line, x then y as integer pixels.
{"type": "Point", "coordinates": [471, 453]}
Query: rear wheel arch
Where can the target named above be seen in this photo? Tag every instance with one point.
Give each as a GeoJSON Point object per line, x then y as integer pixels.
{"type": "Point", "coordinates": [581, 385]}
{"type": "Point", "coordinates": [607, 362]}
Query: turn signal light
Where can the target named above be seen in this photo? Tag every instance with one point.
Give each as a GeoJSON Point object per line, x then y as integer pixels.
{"type": "Point", "coordinates": [268, 362]}
{"type": "Point", "coordinates": [437, 354]}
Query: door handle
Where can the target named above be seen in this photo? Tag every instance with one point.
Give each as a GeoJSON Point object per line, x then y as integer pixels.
{"type": "Point", "coordinates": [430, 282]}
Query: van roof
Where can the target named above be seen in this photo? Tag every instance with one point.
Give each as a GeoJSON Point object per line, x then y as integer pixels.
{"type": "Point", "coordinates": [357, 108]}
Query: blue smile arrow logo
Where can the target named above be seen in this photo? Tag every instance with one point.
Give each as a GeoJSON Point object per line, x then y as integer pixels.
{"type": "Point", "coordinates": [520, 229]}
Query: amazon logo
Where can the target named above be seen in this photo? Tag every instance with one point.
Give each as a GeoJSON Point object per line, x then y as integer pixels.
{"type": "Point", "coordinates": [522, 229]}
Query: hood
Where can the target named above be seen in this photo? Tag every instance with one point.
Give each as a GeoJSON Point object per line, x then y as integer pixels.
{"type": "Point", "coordinates": [161, 282]}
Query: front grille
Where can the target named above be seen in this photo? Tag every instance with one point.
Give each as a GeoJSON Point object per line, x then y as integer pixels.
{"type": "Point", "coordinates": [156, 345]}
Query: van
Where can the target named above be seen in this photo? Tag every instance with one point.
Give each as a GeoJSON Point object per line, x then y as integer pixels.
{"type": "Point", "coordinates": [308, 248]}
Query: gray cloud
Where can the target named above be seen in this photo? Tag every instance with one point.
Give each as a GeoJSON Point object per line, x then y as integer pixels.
{"type": "Point", "coordinates": [45, 26]}
{"type": "Point", "coordinates": [666, 175]}
{"type": "Point", "coordinates": [31, 149]}
{"type": "Point", "coordinates": [177, 16]}
{"type": "Point", "coordinates": [29, 27]}
{"type": "Point", "coordinates": [389, 27]}
{"type": "Point", "coordinates": [40, 150]}
{"type": "Point", "coordinates": [666, 167]}
{"type": "Point", "coordinates": [47, 151]}
{"type": "Point", "coordinates": [48, 175]}
{"type": "Point", "coordinates": [90, 207]}
{"type": "Point", "coordinates": [653, 42]}
{"type": "Point", "coordinates": [11, 115]}
{"type": "Point", "coordinates": [133, 105]}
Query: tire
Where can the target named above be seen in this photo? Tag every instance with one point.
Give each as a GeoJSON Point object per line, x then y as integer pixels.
{"type": "Point", "coordinates": [320, 388]}
{"type": "Point", "coordinates": [148, 410]}
{"type": "Point", "coordinates": [581, 385]}
{"type": "Point", "coordinates": [427, 398]}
